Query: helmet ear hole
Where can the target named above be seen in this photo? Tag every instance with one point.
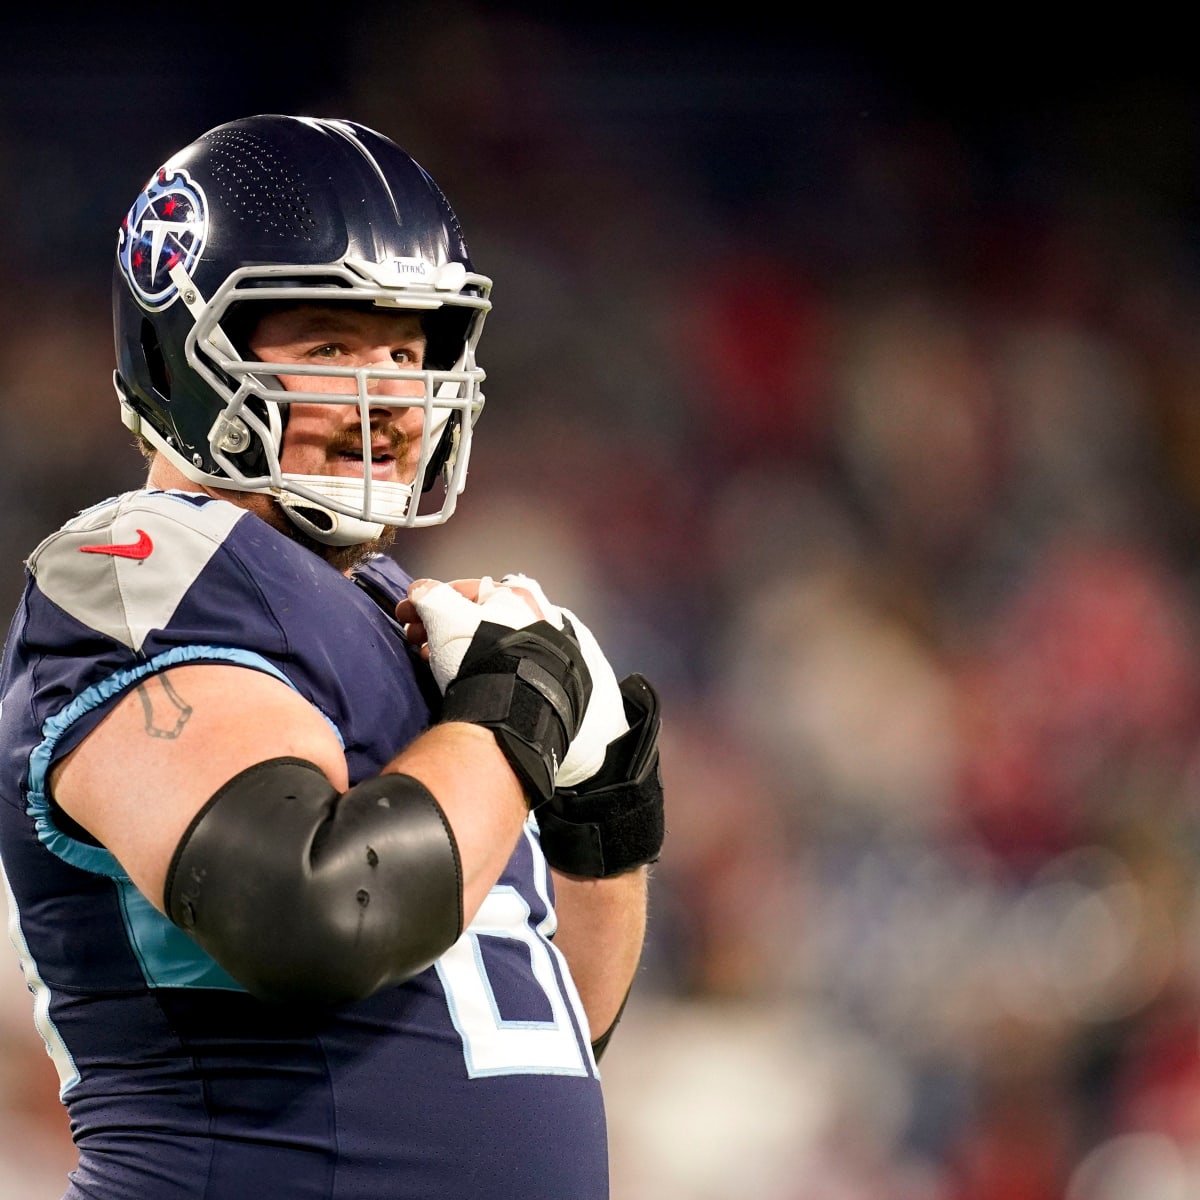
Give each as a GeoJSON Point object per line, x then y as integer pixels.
{"type": "Point", "coordinates": [156, 364]}
{"type": "Point", "coordinates": [445, 336]}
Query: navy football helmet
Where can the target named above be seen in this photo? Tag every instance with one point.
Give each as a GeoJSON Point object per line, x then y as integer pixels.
{"type": "Point", "coordinates": [273, 209]}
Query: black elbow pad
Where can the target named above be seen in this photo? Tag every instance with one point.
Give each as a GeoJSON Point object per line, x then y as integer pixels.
{"type": "Point", "coordinates": [309, 896]}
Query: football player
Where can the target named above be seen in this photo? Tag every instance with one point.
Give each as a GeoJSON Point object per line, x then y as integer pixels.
{"type": "Point", "coordinates": [326, 883]}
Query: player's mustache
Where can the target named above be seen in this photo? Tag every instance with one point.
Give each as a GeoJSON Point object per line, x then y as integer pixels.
{"type": "Point", "coordinates": [349, 440]}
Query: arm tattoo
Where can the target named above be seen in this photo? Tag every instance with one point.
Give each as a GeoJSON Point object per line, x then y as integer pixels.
{"type": "Point", "coordinates": [165, 710]}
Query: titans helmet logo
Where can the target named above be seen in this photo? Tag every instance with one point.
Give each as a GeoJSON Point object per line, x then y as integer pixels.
{"type": "Point", "coordinates": [167, 224]}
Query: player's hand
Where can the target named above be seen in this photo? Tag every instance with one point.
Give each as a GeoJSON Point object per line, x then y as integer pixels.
{"type": "Point", "coordinates": [442, 618]}
{"type": "Point", "coordinates": [604, 719]}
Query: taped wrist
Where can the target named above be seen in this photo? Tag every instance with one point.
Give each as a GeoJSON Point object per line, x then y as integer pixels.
{"type": "Point", "coordinates": [614, 821]}
{"type": "Point", "coordinates": [306, 895]}
{"type": "Point", "coordinates": [530, 687]}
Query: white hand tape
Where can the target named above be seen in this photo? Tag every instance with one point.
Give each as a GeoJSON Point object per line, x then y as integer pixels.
{"type": "Point", "coordinates": [604, 718]}
{"type": "Point", "coordinates": [450, 621]}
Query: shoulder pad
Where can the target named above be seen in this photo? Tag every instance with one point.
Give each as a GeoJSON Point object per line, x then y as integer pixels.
{"type": "Point", "coordinates": [121, 567]}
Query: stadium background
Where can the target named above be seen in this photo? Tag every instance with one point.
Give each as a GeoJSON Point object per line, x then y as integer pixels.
{"type": "Point", "coordinates": [846, 377]}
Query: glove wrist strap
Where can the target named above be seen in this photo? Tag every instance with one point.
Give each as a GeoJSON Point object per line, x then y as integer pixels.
{"type": "Point", "coordinates": [616, 821]}
{"type": "Point", "coordinates": [628, 833]}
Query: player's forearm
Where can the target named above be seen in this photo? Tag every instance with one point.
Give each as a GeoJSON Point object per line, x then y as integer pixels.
{"type": "Point", "coordinates": [482, 799]}
{"type": "Point", "coordinates": [601, 929]}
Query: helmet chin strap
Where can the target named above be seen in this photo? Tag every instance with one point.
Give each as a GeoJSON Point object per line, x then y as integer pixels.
{"type": "Point", "coordinates": [324, 525]}
{"type": "Point", "coordinates": [333, 528]}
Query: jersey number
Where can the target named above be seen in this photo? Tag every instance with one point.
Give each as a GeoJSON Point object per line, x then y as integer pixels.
{"type": "Point", "coordinates": [60, 1056]}
{"type": "Point", "coordinates": [491, 1044]}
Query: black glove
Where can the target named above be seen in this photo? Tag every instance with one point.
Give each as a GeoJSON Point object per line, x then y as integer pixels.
{"type": "Point", "coordinates": [530, 687]}
{"type": "Point", "coordinates": [615, 820]}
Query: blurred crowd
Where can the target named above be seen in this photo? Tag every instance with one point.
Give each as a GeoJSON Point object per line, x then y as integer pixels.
{"type": "Point", "coordinates": [875, 443]}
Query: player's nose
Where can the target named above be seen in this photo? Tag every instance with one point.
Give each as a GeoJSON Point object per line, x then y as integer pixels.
{"type": "Point", "coordinates": [385, 385]}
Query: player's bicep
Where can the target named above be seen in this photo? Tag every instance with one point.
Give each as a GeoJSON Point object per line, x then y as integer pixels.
{"type": "Point", "coordinates": [143, 773]}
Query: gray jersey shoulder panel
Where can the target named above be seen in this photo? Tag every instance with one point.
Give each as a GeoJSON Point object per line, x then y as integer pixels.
{"type": "Point", "coordinates": [125, 597]}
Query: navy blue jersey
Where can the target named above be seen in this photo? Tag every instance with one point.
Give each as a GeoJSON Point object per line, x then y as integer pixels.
{"type": "Point", "coordinates": [473, 1079]}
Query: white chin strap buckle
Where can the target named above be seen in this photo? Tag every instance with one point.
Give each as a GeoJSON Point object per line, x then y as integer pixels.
{"type": "Point", "coordinates": [324, 525]}
{"type": "Point", "coordinates": [334, 528]}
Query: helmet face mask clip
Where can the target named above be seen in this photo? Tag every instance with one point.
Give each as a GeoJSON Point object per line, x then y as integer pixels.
{"type": "Point", "coordinates": [191, 278]}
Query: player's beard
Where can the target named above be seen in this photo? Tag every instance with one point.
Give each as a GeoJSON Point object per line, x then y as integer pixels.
{"type": "Point", "coordinates": [342, 558]}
